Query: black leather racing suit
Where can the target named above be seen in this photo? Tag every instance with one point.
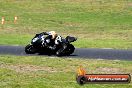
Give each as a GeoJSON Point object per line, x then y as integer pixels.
{"type": "Point", "coordinates": [59, 41]}
{"type": "Point", "coordinates": [47, 41]}
{"type": "Point", "coordinates": [53, 43]}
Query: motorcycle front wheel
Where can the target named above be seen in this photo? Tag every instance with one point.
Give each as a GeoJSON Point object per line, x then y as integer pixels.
{"type": "Point", "coordinates": [29, 49]}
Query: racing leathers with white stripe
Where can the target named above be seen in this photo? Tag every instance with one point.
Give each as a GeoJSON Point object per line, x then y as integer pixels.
{"type": "Point", "coordinates": [57, 41]}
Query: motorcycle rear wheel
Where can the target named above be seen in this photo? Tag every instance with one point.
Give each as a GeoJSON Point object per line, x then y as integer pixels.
{"type": "Point", "coordinates": [70, 49]}
{"type": "Point", "coordinates": [66, 52]}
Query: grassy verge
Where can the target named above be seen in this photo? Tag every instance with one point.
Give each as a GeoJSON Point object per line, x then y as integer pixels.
{"type": "Point", "coordinates": [98, 24]}
{"type": "Point", "coordinates": [47, 72]}
{"type": "Point", "coordinates": [19, 39]}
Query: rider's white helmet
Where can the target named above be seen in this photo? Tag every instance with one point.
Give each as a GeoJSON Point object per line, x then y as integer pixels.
{"type": "Point", "coordinates": [53, 33]}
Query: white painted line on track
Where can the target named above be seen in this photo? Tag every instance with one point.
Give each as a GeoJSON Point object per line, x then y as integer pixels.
{"type": "Point", "coordinates": [106, 48]}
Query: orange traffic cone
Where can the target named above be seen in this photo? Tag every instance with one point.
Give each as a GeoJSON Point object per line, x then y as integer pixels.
{"type": "Point", "coordinates": [3, 20]}
{"type": "Point", "coordinates": [15, 19]}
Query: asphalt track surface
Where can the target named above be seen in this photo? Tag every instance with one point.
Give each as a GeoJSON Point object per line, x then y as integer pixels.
{"type": "Point", "coordinates": [111, 54]}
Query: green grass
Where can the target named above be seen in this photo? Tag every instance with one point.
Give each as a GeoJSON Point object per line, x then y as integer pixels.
{"type": "Point", "coordinates": [46, 72]}
{"type": "Point", "coordinates": [99, 23]}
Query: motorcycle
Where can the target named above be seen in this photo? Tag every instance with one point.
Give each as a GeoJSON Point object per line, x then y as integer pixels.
{"type": "Point", "coordinates": [37, 46]}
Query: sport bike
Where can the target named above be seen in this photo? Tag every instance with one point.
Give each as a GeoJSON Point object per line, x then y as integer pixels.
{"type": "Point", "coordinates": [63, 49]}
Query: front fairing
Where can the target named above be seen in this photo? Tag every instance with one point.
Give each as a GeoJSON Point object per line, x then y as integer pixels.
{"type": "Point", "coordinates": [37, 40]}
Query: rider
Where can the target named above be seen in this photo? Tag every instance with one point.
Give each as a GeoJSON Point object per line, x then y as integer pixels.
{"type": "Point", "coordinates": [52, 40]}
